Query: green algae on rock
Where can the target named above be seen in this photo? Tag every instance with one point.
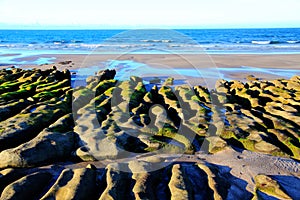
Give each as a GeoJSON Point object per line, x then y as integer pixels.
{"type": "Point", "coordinates": [47, 126]}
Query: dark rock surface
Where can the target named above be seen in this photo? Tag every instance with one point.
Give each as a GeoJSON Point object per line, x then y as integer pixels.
{"type": "Point", "coordinates": [116, 140]}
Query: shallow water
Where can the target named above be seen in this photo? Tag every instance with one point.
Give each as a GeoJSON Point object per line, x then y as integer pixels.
{"type": "Point", "coordinates": [127, 68]}
{"type": "Point", "coordinates": [19, 59]}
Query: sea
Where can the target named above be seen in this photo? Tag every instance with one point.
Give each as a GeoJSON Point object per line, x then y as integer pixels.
{"type": "Point", "coordinates": [18, 44]}
{"type": "Point", "coordinates": [267, 41]}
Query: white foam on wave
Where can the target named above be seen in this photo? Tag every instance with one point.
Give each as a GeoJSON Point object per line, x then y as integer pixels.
{"type": "Point", "coordinates": [157, 41]}
{"type": "Point", "coordinates": [261, 42]}
{"type": "Point", "coordinates": [293, 41]}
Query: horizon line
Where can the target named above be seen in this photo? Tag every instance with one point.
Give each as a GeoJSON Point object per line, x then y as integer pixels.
{"type": "Point", "coordinates": [141, 28]}
{"type": "Point", "coordinates": [6, 26]}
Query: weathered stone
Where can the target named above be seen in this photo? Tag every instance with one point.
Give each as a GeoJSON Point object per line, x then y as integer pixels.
{"type": "Point", "coordinates": [118, 183]}
{"type": "Point", "coordinates": [20, 188]}
{"type": "Point", "coordinates": [27, 124]}
{"type": "Point", "coordinates": [251, 78]}
{"type": "Point", "coordinates": [119, 120]}
{"type": "Point", "coordinates": [9, 175]}
{"type": "Point", "coordinates": [144, 183]}
{"type": "Point", "coordinates": [270, 187]}
{"type": "Point", "coordinates": [136, 79]}
{"type": "Point", "coordinates": [106, 74]}
{"type": "Point", "coordinates": [57, 145]}
{"type": "Point", "coordinates": [84, 154]}
{"type": "Point", "coordinates": [169, 81]}
{"type": "Point", "coordinates": [74, 184]}
{"type": "Point", "coordinates": [216, 144]}
{"type": "Point", "coordinates": [178, 184]}
{"type": "Point", "coordinates": [155, 80]}
{"type": "Point", "coordinates": [11, 109]}
{"type": "Point", "coordinates": [67, 62]}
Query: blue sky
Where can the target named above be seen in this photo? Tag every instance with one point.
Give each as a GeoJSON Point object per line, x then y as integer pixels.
{"type": "Point", "coordinates": [43, 14]}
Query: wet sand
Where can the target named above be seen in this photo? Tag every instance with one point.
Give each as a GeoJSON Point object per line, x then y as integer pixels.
{"type": "Point", "coordinates": [188, 60]}
{"type": "Point", "coordinates": [210, 67]}
{"type": "Point", "coordinates": [291, 61]}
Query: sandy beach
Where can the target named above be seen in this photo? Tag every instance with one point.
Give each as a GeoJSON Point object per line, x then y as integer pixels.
{"type": "Point", "coordinates": [194, 69]}
{"type": "Point", "coordinates": [286, 61]}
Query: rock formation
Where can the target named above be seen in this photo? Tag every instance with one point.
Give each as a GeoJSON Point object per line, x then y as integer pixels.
{"type": "Point", "coordinates": [117, 140]}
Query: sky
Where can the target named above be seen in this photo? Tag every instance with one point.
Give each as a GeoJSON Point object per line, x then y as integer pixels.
{"type": "Point", "coordinates": [98, 14]}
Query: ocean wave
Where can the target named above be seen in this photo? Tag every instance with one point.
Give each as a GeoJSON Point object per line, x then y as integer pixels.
{"type": "Point", "coordinates": [157, 41]}
{"type": "Point", "coordinates": [106, 39]}
{"type": "Point", "coordinates": [91, 46]}
{"type": "Point", "coordinates": [65, 41]}
{"type": "Point", "coordinates": [293, 41]}
{"type": "Point", "coordinates": [76, 41]}
{"type": "Point", "coordinates": [57, 42]}
{"type": "Point", "coordinates": [129, 47]}
{"type": "Point", "coordinates": [60, 41]}
{"type": "Point", "coordinates": [264, 42]}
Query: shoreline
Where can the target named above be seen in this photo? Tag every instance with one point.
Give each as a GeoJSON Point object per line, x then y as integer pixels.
{"type": "Point", "coordinates": [193, 69]}
{"type": "Point", "coordinates": [291, 61]}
